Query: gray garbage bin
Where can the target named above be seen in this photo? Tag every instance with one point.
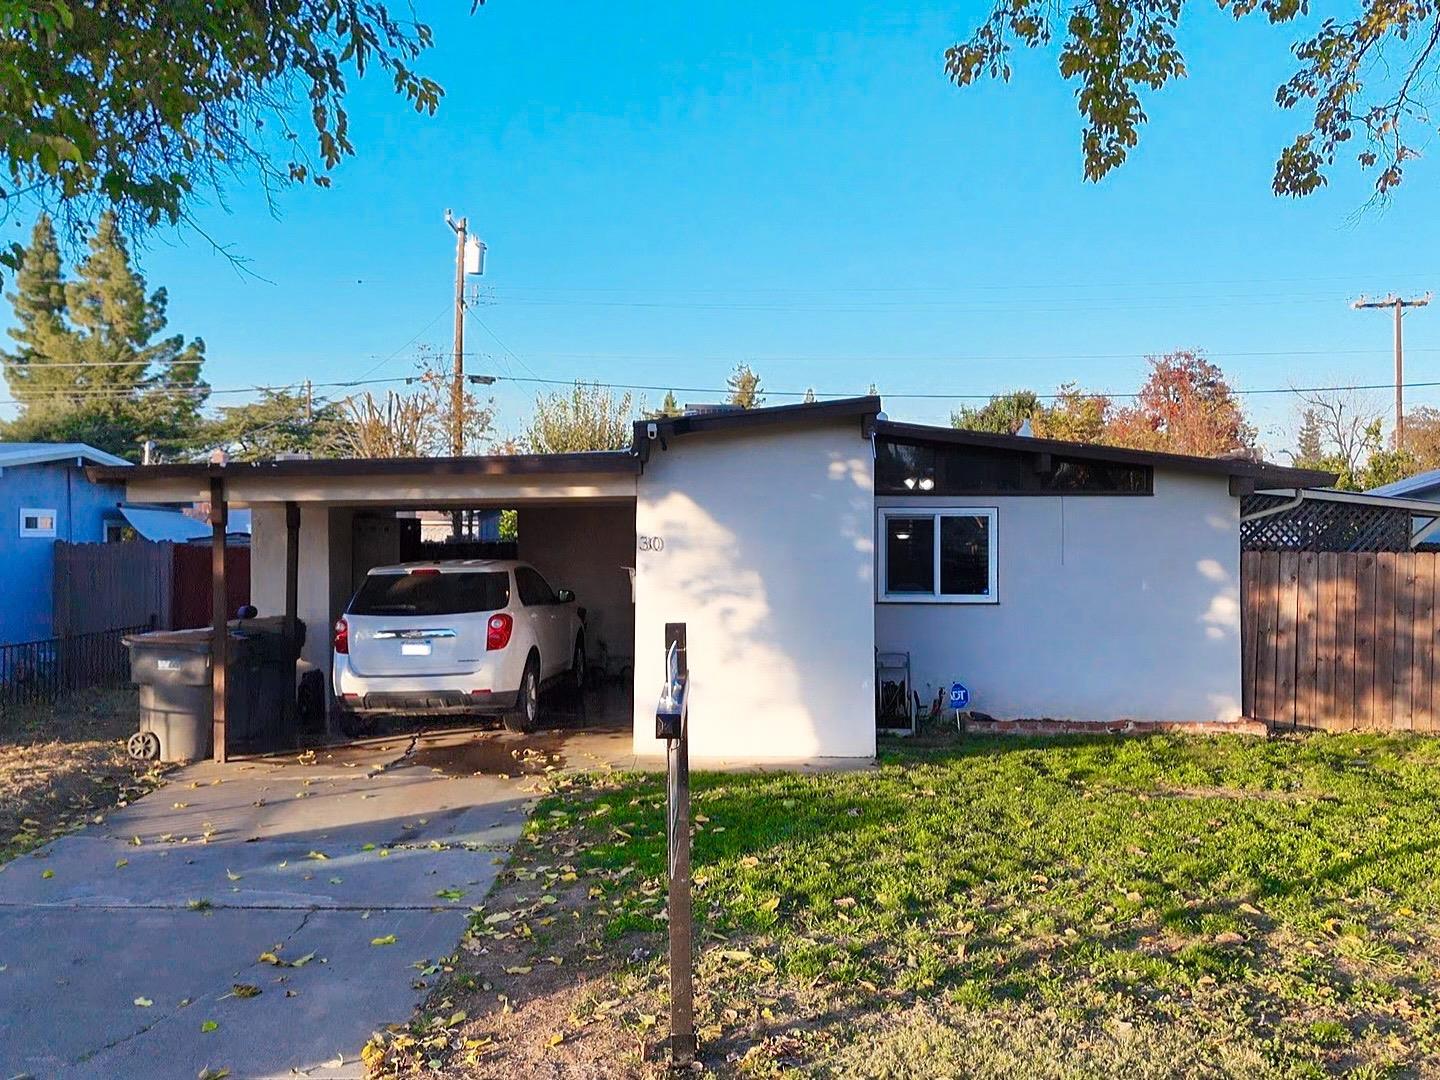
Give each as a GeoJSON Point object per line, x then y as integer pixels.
{"type": "Point", "coordinates": [172, 670]}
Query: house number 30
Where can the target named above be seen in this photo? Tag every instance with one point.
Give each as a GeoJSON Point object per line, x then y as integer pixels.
{"type": "Point", "coordinates": [652, 543]}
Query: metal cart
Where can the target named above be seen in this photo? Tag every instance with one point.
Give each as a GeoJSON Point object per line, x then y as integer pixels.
{"type": "Point", "coordinates": [895, 711]}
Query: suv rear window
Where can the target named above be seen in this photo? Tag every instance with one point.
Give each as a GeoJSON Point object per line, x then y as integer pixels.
{"type": "Point", "coordinates": [431, 594]}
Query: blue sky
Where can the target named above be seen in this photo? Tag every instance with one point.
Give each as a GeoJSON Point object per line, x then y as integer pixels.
{"type": "Point", "coordinates": [666, 190]}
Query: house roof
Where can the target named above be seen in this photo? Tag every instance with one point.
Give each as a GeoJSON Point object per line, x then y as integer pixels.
{"type": "Point", "coordinates": [1244, 473]}
{"type": "Point", "coordinates": [736, 419]}
{"type": "Point", "coordinates": [178, 527]}
{"type": "Point", "coordinates": [40, 453]}
{"type": "Point", "coordinates": [1256, 474]}
{"type": "Point", "coordinates": [1417, 486]}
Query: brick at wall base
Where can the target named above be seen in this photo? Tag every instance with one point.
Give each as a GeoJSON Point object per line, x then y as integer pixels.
{"type": "Point", "coordinates": [984, 725]}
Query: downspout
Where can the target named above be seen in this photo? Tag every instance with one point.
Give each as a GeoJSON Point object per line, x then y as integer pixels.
{"type": "Point", "coordinates": [1288, 504]}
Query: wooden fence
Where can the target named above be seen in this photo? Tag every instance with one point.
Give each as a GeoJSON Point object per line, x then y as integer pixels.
{"type": "Point", "coordinates": [101, 586]}
{"type": "Point", "coordinates": [136, 583]}
{"type": "Point", "coordinates": [1341, 641]}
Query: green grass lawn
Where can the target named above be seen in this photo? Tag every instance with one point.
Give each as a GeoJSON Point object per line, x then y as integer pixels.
{"type": "Point", "coordinates": [1073, 907]}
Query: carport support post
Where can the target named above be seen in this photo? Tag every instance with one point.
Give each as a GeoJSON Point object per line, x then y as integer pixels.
{"type": "Point", "coordinates": [219, 615]}
{"type": "Point", "coordinates": [677, 821]}
{"type": "Point", "coordinates": [292, 565]}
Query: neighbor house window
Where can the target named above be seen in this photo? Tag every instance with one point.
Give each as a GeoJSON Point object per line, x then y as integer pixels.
{"type": "Point", "coordinates": [938, 556]}
{"type": "Point", "coordinates": [37, 522]}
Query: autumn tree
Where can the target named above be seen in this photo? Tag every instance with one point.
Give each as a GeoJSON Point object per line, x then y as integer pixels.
{"type": "Point", "coordinates": [92, 361]}
{"type": "Point", "coordinates": [416, 423]}
{"type": "Point", "coordinates": [1185, 407]}
{"type": "Point", "coordinates": [1422, 436]}
{"type": "Point", "coordinates": [140, 108]}
{"type": "Point", "coordinates": [393, 426]}
{"type": "Point", "coordinates": [745, 389]}
{"type": "Point", "coordinates": [1363, 82]}
{"type": "Point", "coordinates": [1002, 414]}
{"type": "Point", "coordinates": [1074, 416]}
{"type": "Point", "coordinates": [587, 417]}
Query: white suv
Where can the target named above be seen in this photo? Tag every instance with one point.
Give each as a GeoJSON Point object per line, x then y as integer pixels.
{"type": "Point", "coordinates": [459, 637]}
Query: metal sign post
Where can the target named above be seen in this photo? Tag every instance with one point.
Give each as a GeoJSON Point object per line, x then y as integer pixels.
{"type": "Point", "coordinates": [671, 724]}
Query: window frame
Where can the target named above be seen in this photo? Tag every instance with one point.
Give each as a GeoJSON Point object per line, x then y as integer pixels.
{"type": "Point", "coordinates": [39, 533]}
{"type": "Point", "coordinates": [885, 513]}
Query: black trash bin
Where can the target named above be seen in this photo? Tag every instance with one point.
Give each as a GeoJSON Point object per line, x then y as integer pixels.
{"type": "Point", "coordinates": [172, 670]}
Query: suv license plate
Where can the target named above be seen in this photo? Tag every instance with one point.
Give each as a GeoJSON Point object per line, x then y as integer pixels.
{"type": "Point", "coordinates": [415, 648]}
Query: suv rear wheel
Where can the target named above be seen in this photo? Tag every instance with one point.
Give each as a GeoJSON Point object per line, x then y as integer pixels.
{"type": "Point", "coordinates": [526, 714]}
{"type": "Point", "coordinates": [577, 667]}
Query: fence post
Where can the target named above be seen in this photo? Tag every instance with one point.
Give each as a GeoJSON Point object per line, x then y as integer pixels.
{"type": "Point", "coordinates": [672, 725]}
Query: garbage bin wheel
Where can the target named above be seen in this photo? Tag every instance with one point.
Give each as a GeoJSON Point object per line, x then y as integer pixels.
{"type": "Point", "coordinates": [144, 746]}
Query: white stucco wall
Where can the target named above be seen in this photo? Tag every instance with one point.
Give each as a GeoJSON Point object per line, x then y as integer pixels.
{"type": "Point", "coordinates": [1110, 608]}
{"type": "Point", "coordinates": [768, 558]}
{"type": "Point", "coordinates": [324, 579]}
{"type": "Point", "coordinates": [585, 547]}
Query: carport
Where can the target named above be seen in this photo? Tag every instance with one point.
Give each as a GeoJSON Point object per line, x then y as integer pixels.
{"type": "Point", "coordinates": [319, 525]}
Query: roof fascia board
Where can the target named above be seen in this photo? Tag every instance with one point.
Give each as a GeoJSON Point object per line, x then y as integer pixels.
{"type": "Point", "coordinates": [1273, 475]}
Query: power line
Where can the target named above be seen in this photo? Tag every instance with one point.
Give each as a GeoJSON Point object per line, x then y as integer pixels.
{"type": "Point", "coordinates": [903, 395]}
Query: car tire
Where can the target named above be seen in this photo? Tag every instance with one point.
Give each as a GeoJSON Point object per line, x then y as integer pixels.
{"type": "Point", "coordinates": [579, 670]}
{"type": "Point", "coordinates": [525, 717]}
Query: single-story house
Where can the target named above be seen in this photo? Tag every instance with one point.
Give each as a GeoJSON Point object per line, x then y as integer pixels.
{"type": "Point", "coordinates": [1055, 580]}
{"type": "Point", "coordinates": [45, 496]}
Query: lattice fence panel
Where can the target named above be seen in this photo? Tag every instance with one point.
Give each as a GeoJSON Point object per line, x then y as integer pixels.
{"type": "Point", "coordinates": [1317, 525]}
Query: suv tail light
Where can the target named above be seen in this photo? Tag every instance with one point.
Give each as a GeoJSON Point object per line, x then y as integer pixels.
{"type": "Point", "coordinates": [342, 637]}
{"type": "Point", "coordinates": [497, 631]}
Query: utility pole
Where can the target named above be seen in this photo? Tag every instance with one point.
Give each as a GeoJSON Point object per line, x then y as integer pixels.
{"type": "Point", "coordinates": [457, 397]}
{"type": "Point", "coordinates": [309, 401]}
{"type": "Point", "coordinates": [1398, 305]}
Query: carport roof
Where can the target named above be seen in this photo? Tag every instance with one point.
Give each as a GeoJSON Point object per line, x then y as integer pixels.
{"type": "Point", "coordinates": [603, 461]}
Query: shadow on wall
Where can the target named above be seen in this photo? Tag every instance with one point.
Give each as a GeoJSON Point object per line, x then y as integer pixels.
{"type": "Point", "coordinates": [771, 572]}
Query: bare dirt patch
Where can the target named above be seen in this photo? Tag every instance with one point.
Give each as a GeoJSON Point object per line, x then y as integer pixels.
{"type": "Point", "coordinates": [62, 765]}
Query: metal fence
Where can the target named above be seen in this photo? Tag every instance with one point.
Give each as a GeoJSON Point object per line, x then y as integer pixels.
{"type": "Point", "coordinates": [35, 672]}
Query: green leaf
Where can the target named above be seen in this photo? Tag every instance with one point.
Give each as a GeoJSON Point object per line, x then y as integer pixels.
{"type": "Point", "coordinates": [388, 939]}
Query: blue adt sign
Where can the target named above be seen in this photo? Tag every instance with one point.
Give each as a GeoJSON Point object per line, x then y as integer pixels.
{"type": "Point", "coordinates": [959, 696]}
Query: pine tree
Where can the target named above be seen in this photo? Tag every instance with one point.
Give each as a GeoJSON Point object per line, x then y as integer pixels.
{"type": "Point", "coordinates": [1309, 443]}
{"type": "Point", "coordinates": [38, 303]}
{"type": "Point", "coordinates": [744, 387]}
{"type": "Point", "coordinates": [89, 367]}
{"type": "Point", "coordinates": [668, 407]}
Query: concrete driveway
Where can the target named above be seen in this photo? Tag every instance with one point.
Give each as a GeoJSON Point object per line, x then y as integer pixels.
{"type": "Point", "coordinates": [121, 946]}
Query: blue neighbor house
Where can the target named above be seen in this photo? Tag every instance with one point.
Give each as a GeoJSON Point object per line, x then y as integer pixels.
{"type": "Point", "coordinates": [44, 497]}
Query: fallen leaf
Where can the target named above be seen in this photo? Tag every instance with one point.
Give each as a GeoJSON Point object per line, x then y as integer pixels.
{"type": "Point", "coordinates": [208, 1073]}
{"type": "Point", "coordinates": [388, 939]}
{"type": "Point", "coordinates": [317, 855]}
{"type": "Point", "coordinates": [47, 873]}
{"type": "Point", "coordinates": [209, 1025]}
{"type": "Point", "coordinates": [556, 1039]}
{"type": "Point", "coordinates": [245, 990]}
{"type": "Point", "coordinates": [520, 969]}
{"type": "Point", "coordinates": [232, 875]}
{"type": "Point", "coordinates": [120, 863]}
{"type": "Point", "coordinates": [144, 1002]}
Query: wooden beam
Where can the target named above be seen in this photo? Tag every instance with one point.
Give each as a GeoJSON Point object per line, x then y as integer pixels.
{"type": "Point", "coordinates": [219, 613]}
{"type": "Point", "coordinates": [1243, 485]}
{"type": "Point", "coordinates": [292, 564]}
